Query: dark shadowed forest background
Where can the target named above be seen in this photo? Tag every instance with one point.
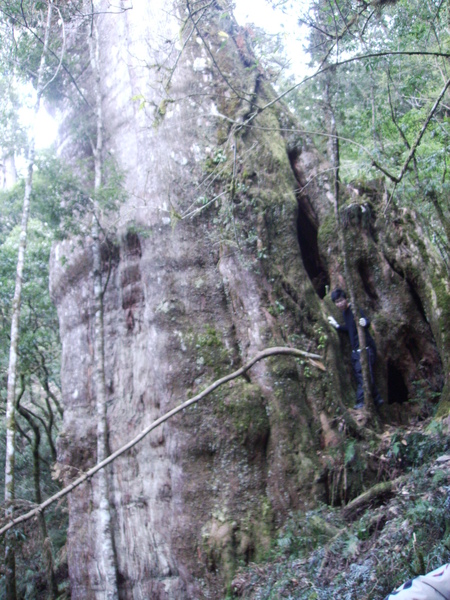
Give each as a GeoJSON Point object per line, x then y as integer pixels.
{"type": "Point", "coordinates": [202, 200]}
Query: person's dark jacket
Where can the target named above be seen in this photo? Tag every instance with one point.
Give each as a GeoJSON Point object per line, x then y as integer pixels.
{"type": "Point", "coordinates": [350, 327]}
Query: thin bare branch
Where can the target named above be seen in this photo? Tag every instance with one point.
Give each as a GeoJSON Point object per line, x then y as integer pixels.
{"type": "Point", "coordinates": [424, 128]}
{"type": "Point", "coordinates": [340, 64]}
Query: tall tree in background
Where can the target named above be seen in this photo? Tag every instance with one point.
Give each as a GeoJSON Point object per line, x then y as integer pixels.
{"type": "Point", "coordinates": [37, 405]}
{"type": "Point", "coordinates": [11, 133]}
{"type": "Point", "coordinates": [27, 21]}
{"type": "Point", "coordinates": [10, 128]}
{"type": "Point", "coordinates": [42, 80]}
{"type": "Point", "coordinates": [105, 534]}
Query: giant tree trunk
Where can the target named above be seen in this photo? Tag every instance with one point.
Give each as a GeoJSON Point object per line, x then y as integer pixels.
{"type": "Point", "coordinates": [226, 245]}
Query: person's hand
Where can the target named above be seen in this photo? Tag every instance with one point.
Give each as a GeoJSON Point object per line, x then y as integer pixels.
{"type": "Point", "coordinates": [332, 321]}
{"type": "Point", "coordinates": [363, 322]}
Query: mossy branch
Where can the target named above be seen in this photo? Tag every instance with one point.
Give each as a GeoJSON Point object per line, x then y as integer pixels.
{"type": "Point", "coordinates": [380, 489]}
{"type": "Point", "coordinates": [268, 352]}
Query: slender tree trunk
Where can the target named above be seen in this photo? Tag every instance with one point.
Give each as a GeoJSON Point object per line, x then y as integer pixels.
{"type": "Point", "coordinates": [47, 554]}
{"type": "Point", "coordinates": [44, 380]}
{"type": "Point", "coordinates": [10, 579]}
{"type": "Point", "coordinates": [106, 541]}
{"type": "Point", "coordinates": [335, 160]}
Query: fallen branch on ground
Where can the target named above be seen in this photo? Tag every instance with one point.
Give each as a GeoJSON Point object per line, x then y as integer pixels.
{"type": "Point", "coordinates": [380, 489]}
{"type": "Point", "coordinates": [77, 482]}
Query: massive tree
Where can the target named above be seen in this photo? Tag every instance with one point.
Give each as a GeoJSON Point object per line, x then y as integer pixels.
{"type": "Point", "coordinates": [226, 245]}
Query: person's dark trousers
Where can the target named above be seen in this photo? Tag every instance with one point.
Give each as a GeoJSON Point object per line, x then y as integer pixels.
{"type": "Point", "coordinates": [357, 370]}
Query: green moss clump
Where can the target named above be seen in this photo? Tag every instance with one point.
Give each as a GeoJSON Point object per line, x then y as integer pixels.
{"type": "Point", "coordinates": [327, 234]}
{"type": "Point", "coordinates": [242, 411]}
{"type": "Point", "coordinates": [210, 350]}
{"type": "Point", "coordinates": [207, 350]}
{"type": "Point", "coordinates": [230, 544]}
{"type": "Point", "coordinates": [443, 303]}
{"type": "Point", "coordinates": [256, 533]}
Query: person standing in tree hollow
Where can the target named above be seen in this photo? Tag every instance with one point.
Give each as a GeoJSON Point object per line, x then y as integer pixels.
{"type": "Point", "coordinates": [340, 299]}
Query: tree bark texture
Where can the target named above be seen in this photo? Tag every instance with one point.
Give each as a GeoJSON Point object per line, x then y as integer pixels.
{"type": "Point", "coordinates": [225, 245]}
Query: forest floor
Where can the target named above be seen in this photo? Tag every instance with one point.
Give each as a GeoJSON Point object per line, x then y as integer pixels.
{"type": "Point", "coordinates": [369, 545]}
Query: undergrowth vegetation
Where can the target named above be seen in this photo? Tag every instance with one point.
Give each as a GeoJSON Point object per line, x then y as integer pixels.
{"type": "Point", "coordinates": [365, 552]}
